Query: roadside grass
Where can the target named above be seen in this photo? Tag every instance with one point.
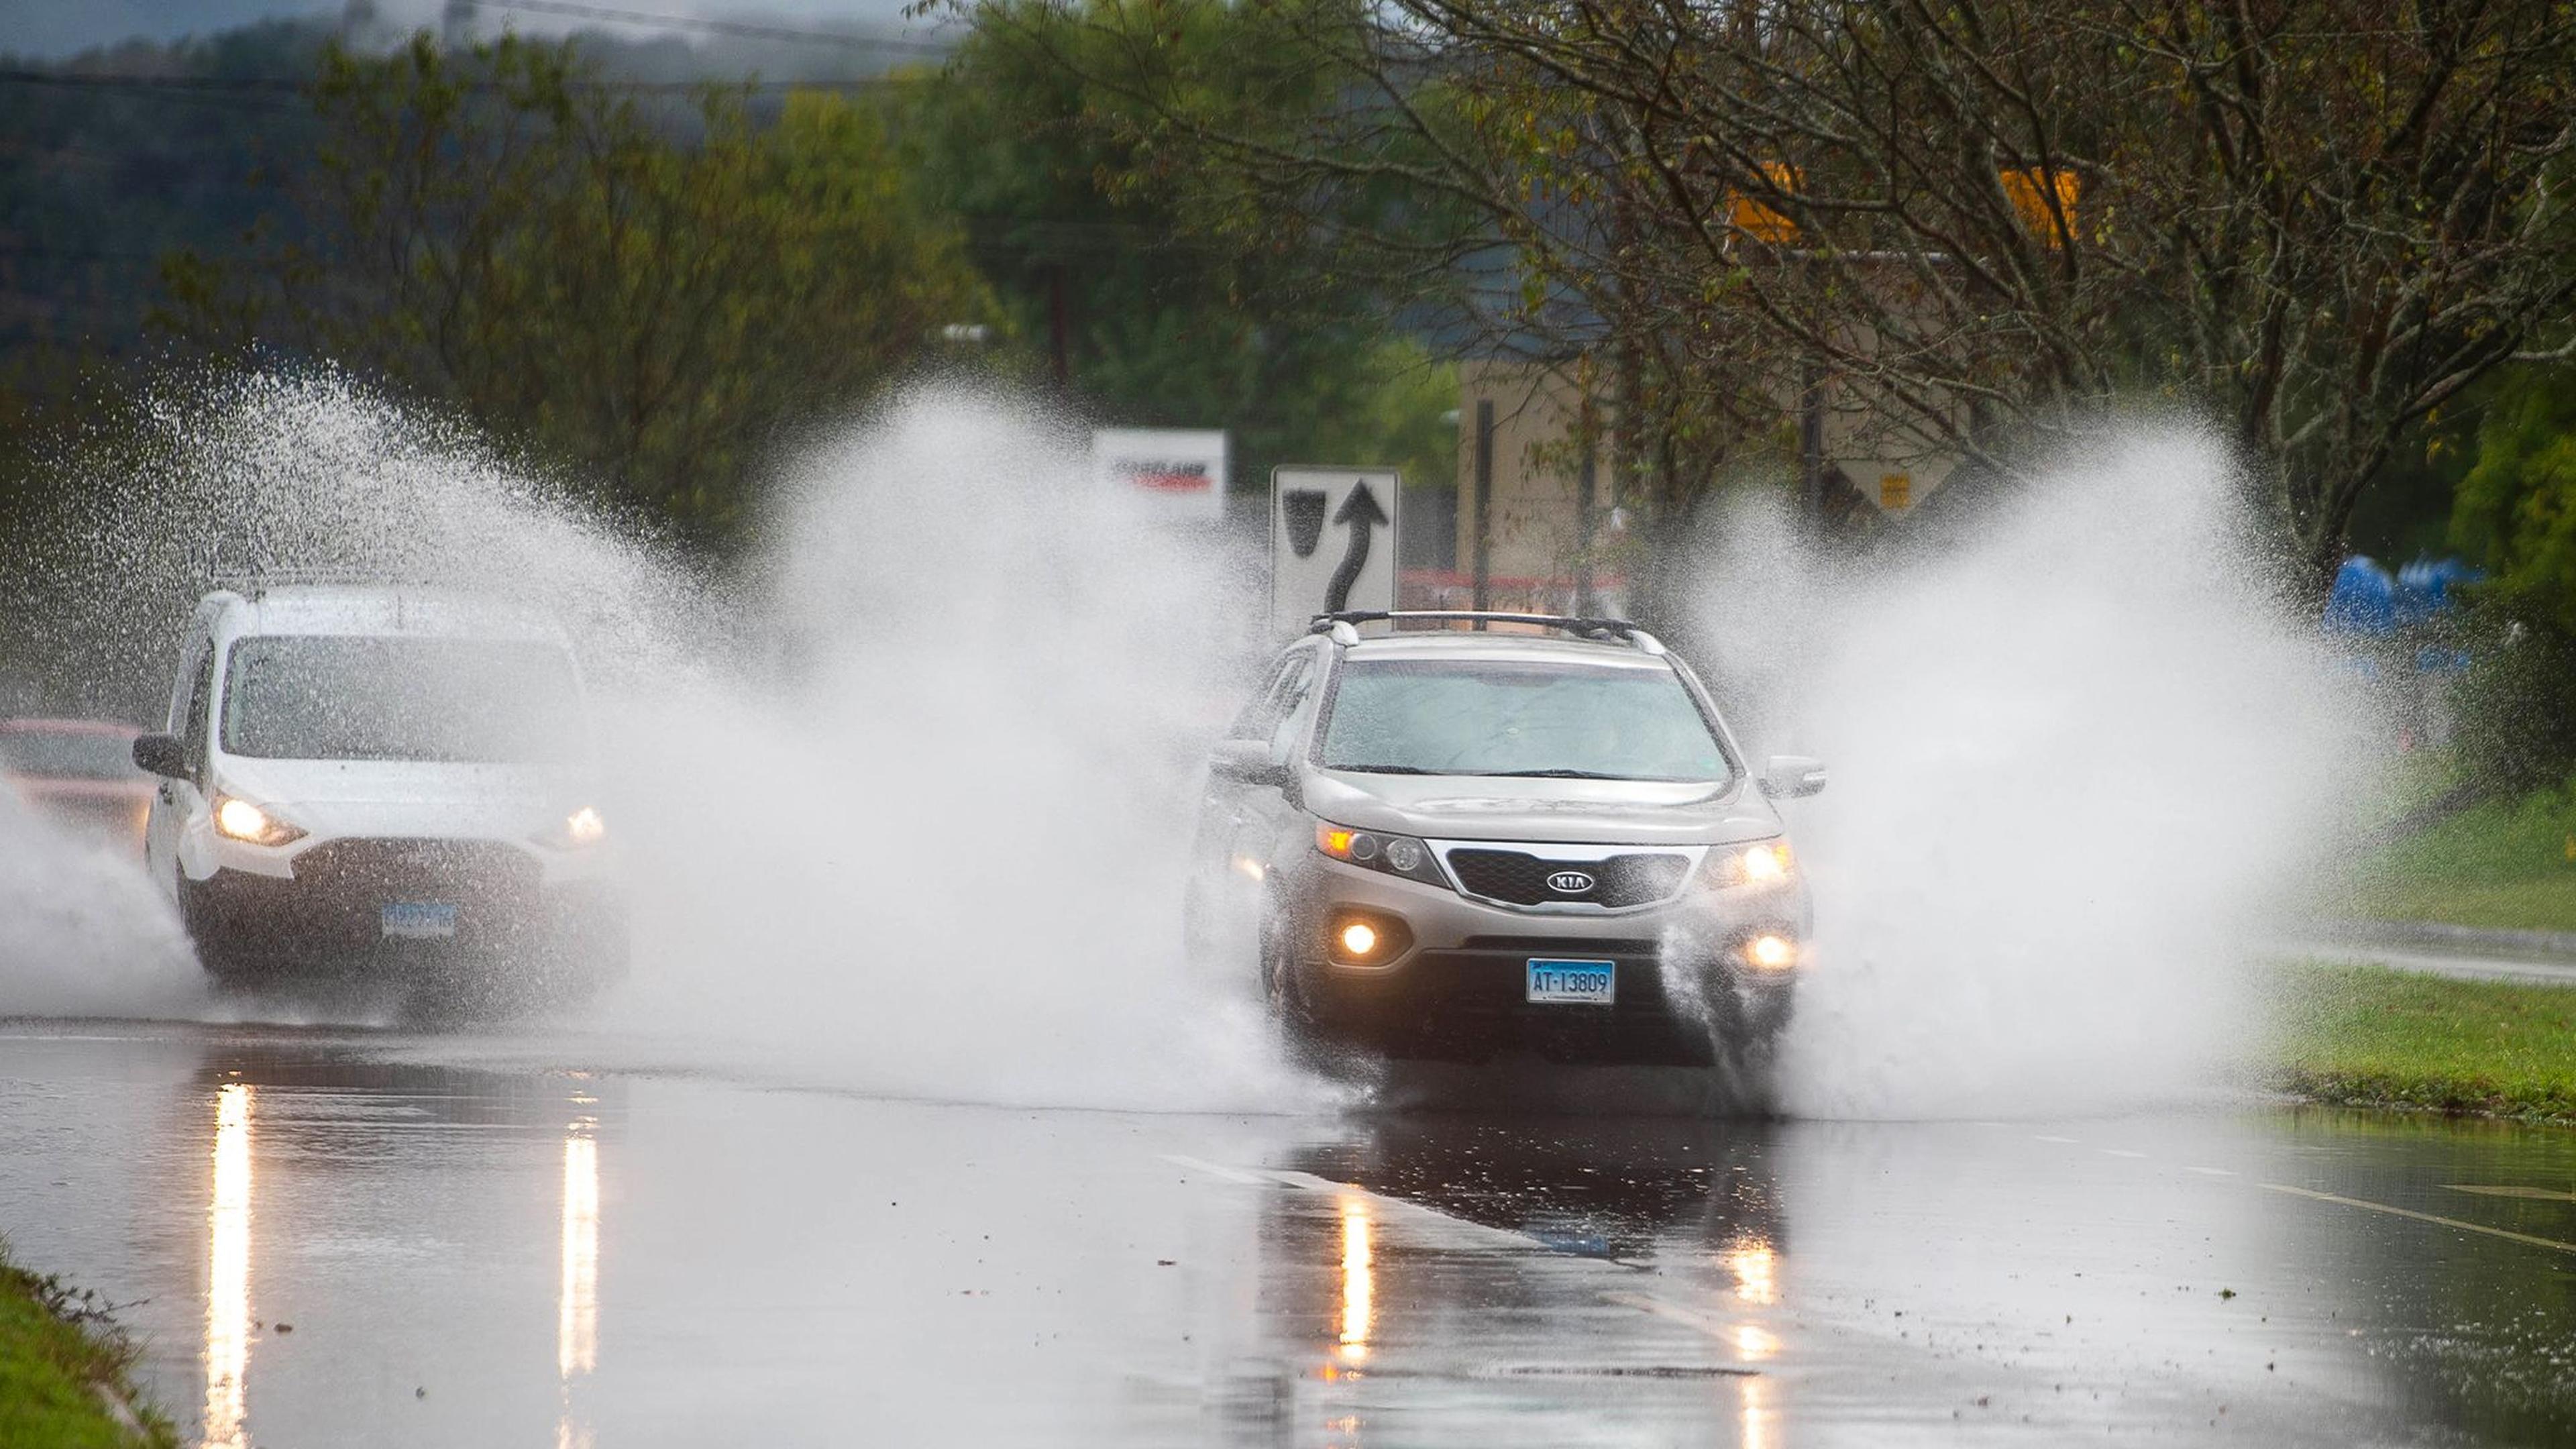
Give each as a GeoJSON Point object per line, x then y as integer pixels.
{"type": "Point", "coordinates": [2366, 1036]}
{"type": "Point", "coordinates": [2499, 864]}
{"type": "Point", "coordinates": [64, 1370]}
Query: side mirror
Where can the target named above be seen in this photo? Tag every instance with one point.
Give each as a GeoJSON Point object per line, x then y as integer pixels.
{"type": "Point", "coordinates": [1248, 762]}
{"type": "Point", "coordinates": [1793, 776]}
{"type": "Point", "coordinates": [160, 755]}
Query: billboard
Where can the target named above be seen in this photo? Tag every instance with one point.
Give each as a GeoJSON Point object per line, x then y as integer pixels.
{"type": "Point", "coordinates": [1182, 469]}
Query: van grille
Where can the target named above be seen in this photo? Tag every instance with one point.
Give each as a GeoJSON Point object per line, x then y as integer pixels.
{"type": "Point", "coordinates": [1522, 879]}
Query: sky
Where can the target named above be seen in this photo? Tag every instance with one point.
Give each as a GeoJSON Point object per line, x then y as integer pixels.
{"type": "Point", "coordinates": [52, 29]}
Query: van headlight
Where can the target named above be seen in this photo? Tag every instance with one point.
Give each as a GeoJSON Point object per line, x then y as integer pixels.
{"type": "Point", "coordinates": [1394, 854]}
{"type": "Point", "coordinates": [1762, 863]}
{"type": "Point", "coordinates": [238, 819]}
{"type": "Point", "coordinates": [582, 827]}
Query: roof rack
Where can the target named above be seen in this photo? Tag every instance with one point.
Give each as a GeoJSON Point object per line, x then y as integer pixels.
{"type": "Point", "coordinates": [254, 582]}
{"type": "Point", "coordinates": [1344, 626]}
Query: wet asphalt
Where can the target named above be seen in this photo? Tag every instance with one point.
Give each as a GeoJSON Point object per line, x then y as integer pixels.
{"type": "Point", "coordinates": [329, 1237]}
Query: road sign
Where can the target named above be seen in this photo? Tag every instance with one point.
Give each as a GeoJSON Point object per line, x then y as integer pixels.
{"type": "Point", "coordinates": [1182, 469]}
{"type": "Point", "coordinates": [1332, 542]}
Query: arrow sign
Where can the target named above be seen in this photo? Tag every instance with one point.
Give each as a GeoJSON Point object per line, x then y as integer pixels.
{"type": "Point", "coordinates": [1361, 513]}
{"type": "Point", "coordinates": [1307, 576]}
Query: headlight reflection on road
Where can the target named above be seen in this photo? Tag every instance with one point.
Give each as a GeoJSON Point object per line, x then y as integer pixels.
{"type": "Point", "coordinates": [577, 1301]}
{"type": "Point", "coordinates": [1359, 1283]}
{"type": "Point", "coordinates": [1759, 1416]}
{"type": "Point", "coordinates": [228, 1272]}
{"type": "Point", "coordinates": [1756, 1272]}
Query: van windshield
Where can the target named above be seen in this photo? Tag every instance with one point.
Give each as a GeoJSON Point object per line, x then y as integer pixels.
{"type": "Point", "coordinates": [1512, 717]}
{"type": "Point", "coordinates": [359, 697]}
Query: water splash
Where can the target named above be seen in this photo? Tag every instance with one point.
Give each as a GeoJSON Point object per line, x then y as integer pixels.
{"type": "Point", "coordinates": [2080, 757]}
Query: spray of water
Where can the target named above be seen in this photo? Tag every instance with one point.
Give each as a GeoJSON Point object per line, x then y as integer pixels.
{"type": "Point", "coordinates": [81, 933]}
{"type": "Point", "coordinates": [2081, 757]}
{"type": "Point", "coordinates": [904, 807]}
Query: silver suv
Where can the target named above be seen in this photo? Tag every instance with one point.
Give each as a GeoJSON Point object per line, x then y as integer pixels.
{"type": "Point", "coordinates": [1514, 829]}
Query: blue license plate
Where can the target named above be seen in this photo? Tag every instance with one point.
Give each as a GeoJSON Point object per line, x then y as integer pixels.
{"type": "Point", "coordinates": [1575, 983]}
{"type": "Point", "coordinates": [419, 920]}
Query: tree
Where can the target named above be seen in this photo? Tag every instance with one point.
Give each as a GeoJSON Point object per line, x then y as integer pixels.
{"type": "Point", "coordinates": [493, 229]}
{"type": "Point", "coordinates": [1986, 224]}
{"type": "Point", "coordinates": [1175, 308]}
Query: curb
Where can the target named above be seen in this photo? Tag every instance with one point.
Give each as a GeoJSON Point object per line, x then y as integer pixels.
{"type": "Point", "coordinates": [2533, 945]}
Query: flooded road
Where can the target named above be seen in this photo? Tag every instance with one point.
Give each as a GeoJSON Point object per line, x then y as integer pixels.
{"type": "Point", "coordinates": [335, 1236]}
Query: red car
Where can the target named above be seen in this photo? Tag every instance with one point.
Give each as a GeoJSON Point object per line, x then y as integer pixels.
{"type": "Point", "coordinates": [80, 773]}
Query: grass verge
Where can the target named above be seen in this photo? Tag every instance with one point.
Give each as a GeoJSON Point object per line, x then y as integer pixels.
{"type": "Point", "coordinates": [2500, 864]}
{"type": "Point", "coordinates": [65, 1372]}
{"type": "Point", "coordinates": [2368, 1037]}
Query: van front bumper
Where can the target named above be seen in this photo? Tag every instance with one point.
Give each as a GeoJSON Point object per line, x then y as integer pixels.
{"type": "Point", "coordinates": [331, 911]}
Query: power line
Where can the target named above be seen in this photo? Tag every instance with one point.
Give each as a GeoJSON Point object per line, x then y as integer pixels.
{"type": "Point", "coordinates": [716, 27]}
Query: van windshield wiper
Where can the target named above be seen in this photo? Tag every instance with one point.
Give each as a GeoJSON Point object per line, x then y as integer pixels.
{"type": "Point", "coordinates": [1551, 775]}
{"type": "Point", "coordinates": [1385, 770]}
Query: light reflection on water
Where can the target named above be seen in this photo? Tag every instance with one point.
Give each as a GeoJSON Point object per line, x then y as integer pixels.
{"type": "Point", "coordinates": [1358, 1278]}
{"type": "Point", "coordinates": [577, 1296]}
{"type": "Point", "coordinates": [228, 1272]}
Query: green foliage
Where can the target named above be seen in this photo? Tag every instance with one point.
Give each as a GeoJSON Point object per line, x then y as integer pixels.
{"type": "Point", "coordinates": [2516, 508]}
{"type": "Point", "coordinates": [2369, 1037]}
{"type": "Point", "coordinates": [2515, 514]}
{"type": "Point", "coordinates": [489, 230]}
{"type": "Point", "coordinates": [2507, 862]}
{"type": "Point", "coordinates": [1182, 305]}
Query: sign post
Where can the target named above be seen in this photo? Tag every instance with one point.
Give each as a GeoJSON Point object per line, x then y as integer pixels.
{"type": "Point", "coordinates": [1332, 542]}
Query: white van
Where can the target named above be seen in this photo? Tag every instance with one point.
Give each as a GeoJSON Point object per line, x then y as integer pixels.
{"type": "Point", "coordinates": [361, 777]}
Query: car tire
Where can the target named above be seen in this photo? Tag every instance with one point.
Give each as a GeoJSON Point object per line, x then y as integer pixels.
{"type": "Point", "coordinates": [224, 959]}
{"type": "Point", "coordinates": [1301, 1039]}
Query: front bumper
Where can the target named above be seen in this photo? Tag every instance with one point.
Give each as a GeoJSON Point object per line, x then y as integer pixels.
{"type": "Point", "coordinates": [1459, 984]}
{"type": "Point", "coordinates": [331, 911]}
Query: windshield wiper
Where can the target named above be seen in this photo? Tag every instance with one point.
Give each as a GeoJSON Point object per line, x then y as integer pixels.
{"type": "Point", "coordinates": [1551, 775]}
{"type": "Point", "coordinates": [1384, 769]}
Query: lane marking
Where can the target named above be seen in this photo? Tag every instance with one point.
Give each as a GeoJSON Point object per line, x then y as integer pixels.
{"type": "Point", "coordinates": [2069, 1141]}
{"type": "Point", "coordinates": [2535, 1194]}
{"type": "Point", "coordinates": [1226, 1174]}
{"type": "Point", "coordinates": [2118, 1152]}
{"type": "Point", "coordinates": [1746, 1340]}
{"type": "Point", "coordinates": [2210, 1171]}
{"type": "Point", "coordinates": [2381, 1207]}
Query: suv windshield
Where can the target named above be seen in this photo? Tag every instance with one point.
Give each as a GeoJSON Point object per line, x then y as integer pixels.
{"type": "Point", "coordinates": [358, 697]}
{"type": "Point", "coordinates": [1503, 717]}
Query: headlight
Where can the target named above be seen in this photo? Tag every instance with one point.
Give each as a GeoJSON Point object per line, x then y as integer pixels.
{"type": "Point", "coordinates": [1771, 951]}
{"type": "Point", "coordinates": [1394, 854]}
{"type": "Point", "coordinates": [1763, 863]}
{"type": "Point", "coordinates": [239, 819]}
{"type": "Point", "coordinates": [582, 827]}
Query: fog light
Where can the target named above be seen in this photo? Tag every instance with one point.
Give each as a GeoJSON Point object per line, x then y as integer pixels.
{"type": "Point", "coordinates": [1365, 938]}
{"type": "Point", "coordinates": [1771, 953]}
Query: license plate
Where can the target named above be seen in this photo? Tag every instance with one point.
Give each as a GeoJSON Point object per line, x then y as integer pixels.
{"type": "Point", "coordinates": [419, 920]}
{"type": "Point", "coordinates": [1581, 983]}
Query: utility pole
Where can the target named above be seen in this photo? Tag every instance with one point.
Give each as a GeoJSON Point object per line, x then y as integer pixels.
{"type": "Point", "coordinates": [1059, 344]}
{"type": "Point", "coordinates": [1587, 503]}
{"type": "Point", "coordinates": [1484, 503]}
{"type": "Point", "coordinates": [1811, 451]}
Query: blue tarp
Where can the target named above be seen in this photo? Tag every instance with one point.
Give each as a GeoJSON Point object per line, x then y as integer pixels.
{"type": "Point", "coordinates": [2364, 599]}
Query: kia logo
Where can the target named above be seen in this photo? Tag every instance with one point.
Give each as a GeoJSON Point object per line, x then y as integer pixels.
{"type": "Point", "coordinates": [1569, 883]}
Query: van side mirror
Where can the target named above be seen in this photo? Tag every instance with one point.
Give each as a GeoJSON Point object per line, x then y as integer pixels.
{"type": "Point", "coordinates": [1248, 762]}
{"type": "Point", "coordinates": [1792, 776]}
{"type": "Point", "coordinates": [160, 755]}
